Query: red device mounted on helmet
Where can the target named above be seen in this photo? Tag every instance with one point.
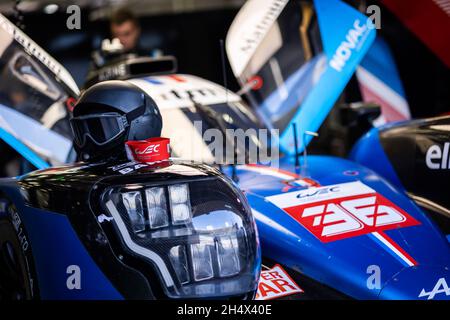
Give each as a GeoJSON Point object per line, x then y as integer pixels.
{"type": "Point", "coordinates": [150, 150]}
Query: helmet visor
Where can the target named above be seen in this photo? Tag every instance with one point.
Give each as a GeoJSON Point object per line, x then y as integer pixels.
{"type": "Point", "coordinates": [100, 128]}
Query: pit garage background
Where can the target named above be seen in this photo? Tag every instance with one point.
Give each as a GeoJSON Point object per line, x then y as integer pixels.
{"type": "Point", "coordinates": [191, 30]}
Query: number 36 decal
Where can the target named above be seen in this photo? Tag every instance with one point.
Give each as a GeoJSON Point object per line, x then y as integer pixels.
{"type": "Point", "coordinates": [342, 211]}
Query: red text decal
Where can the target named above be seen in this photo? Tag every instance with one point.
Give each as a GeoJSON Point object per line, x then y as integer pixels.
{"type": "Point", "coordinates": [275, 283]}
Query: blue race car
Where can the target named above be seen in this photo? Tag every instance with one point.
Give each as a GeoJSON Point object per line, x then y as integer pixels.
{"type": "Point", "coordinates": [108, 228]}
{"type": "Point", "coordinates": [293, 60]}
{"type": "Point", "coordinates": [339, 229]}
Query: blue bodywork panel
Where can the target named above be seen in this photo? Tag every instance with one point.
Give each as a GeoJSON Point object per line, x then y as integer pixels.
{"type": "Point", "coordinates": [345, 264]}
{"type": "Point", "coordinates": [346, 36]}
{"type": "Point", "coordinates": [55, 247]}
{"type": "Point", "coordinates": [23, 150]}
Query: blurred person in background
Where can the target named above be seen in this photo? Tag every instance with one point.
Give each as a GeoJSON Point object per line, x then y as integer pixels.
{"type": "Point", "coordinates": [125, 40]}
{"type": "Point", "coordinates": [125, 26]}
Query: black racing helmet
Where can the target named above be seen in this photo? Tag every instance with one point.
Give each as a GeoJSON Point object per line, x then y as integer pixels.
{"type": "Point", "coordinates": [110, 113]}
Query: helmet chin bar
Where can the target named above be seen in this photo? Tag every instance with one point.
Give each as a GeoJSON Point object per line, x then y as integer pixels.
{"type": "Point", "coordinates": [113, 152]}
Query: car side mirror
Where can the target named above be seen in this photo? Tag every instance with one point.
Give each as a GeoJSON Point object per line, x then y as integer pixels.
{"type": "Point", "coordinates": [359, 114]}
{"type": "Point", "coordinates": [357, 119]}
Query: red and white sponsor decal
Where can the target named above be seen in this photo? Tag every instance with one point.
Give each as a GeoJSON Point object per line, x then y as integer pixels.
{"type": "Point", "coordinates": [276, 283]}
{"type": "Point", "coordinates": [342, 211]}
{"type": "Point", "coordinates": [150, 150]}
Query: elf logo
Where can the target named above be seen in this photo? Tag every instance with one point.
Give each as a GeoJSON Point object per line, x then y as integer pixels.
{"type": "Point", "coordinates": [437, 158]}
{"type": "Point", "coordinates": [344, 51]}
